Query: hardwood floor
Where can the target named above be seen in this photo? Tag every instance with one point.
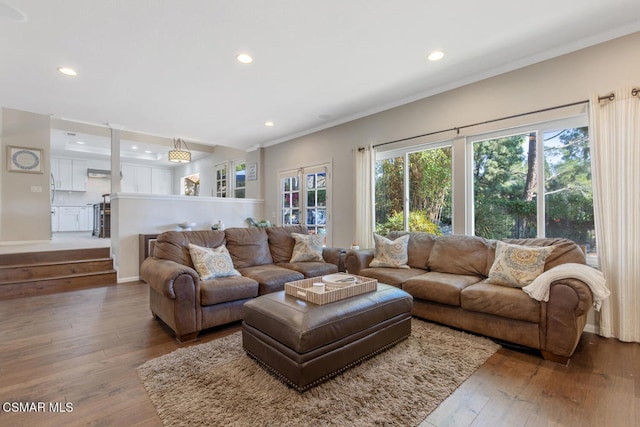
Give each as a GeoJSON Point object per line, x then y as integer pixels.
{"type": "Point", "coordinates": [83, 347]}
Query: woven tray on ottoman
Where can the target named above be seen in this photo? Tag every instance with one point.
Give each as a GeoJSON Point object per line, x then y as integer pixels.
{"type": "Point", "coordinates": [304, 344]}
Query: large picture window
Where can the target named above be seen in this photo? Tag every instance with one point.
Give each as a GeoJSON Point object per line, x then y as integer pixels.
{"type": "Point", "coordinates": [417, 197]}
{"type": "Point", "coordinates": [534, 183]}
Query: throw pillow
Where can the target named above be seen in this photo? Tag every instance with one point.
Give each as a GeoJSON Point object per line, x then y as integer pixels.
{"type": "Point", "coordinates": [212, 263]}
{"type": "Point", "coordinates": [390, 253]}
{"type": "Point", "coordinates": [517, 265]}
{"type": "Point", "coordinates": [308, 247]}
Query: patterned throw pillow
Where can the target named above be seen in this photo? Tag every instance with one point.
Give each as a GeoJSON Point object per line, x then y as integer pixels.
{"type": "Point", "coordinates": [308, 247]}
{"type": "Point", "coordinates": [390, 253]}
{"type": "Point", "coordinates": [516, 265]}
{"type": "Point", "coordinates": [212, 263]}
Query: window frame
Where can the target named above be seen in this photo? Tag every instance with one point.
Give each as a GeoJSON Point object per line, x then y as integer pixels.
{"type": "Point", "coordinates": [539, 128]}
{"type": "Point", "coordinates": [217, 167]}
{"type": "Point", "coordinates": [301, 173]}
{"type": "Point", "coordinates": [234, 178]}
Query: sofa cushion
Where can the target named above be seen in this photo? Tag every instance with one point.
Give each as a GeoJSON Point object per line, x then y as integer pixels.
{"type": "Point", "coordinates": [391, 276]}
{"type": "Point", "coordinates": [390, 253]}
{"type": "Point", "coordinates": [510, 303]}
{"type": "Point", "coordinates": [443, 288]}
{"type": "Point", "coordinates": [310, 269]}
{"type": "Point", "coordinates": [418, 248]}
{"type": "Point", "coordinates": [308, 247]}
{"type": "Point", "coordinates": [517, 265]}
{"type": "Point", "coordinates": [225, 289]}
{"type": "Point", "coordinates": [270, 278]}
{"type": "Point", "coordinates": [248, 246]}
{"type": "Point", "coordinates": [211, 263]}
{"type": "Point", "coordinates": [460, 254]}
{"type": "Point", "coordinates": [281, 243]}
{"type": "Point", "coordinates": [174, 245]}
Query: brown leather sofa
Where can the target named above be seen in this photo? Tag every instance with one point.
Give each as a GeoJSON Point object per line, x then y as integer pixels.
{"type": "Point", "coordinates": [447, 279]}
{"type": "Point", "coordinates": [188, 305]}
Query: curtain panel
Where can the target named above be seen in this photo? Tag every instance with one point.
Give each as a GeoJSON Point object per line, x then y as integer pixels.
{"type": "Point", "coordinates": [364, 186]}
{"type": "Point", "coordinates": [615, 144]}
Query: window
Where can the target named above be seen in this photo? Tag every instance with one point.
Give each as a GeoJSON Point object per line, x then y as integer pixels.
{"type": "Point", "coordinates": [220, 171]}
{"type": "Point", "coordinates": [534, 183]}
{"type": "Point", "coordinates": [417, 197]}
{"type": "Point", "coordinates": [191, 185]}
{"type": "Point", "coordinates": [311, 185]}
{"type": "Point", "coordinates": [239, 178]}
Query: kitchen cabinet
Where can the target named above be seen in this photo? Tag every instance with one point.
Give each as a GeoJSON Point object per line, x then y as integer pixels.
{"type": "Point", "coordinates": [73, 218]}
{"type": "Point", "coordinates": [136, 179]}
{"type": "Point", "coordinates": [69, 174]}
{"type": "Point", "coordinates": [161, 181]}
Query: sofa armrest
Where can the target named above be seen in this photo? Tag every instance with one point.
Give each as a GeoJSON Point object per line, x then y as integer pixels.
{"type": "Point", "coordinates": [162, 274]}
{"type": "Point", "coordinates": [566, 316]}
{"type": "Point", "coordinates": [334, 256]}
{"type": "Point", "coordinates": [356, 260]}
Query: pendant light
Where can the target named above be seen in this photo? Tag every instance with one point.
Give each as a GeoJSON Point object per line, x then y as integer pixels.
{"type": "Point", "coordinates": [178, 154]}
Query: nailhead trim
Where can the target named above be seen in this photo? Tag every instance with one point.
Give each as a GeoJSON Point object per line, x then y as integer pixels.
{"type": "Point", "coordinates": [330, 375]}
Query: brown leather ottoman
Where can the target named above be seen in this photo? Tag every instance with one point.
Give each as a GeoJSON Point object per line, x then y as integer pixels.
{"type": "Point", "coordinates": [304, 344]}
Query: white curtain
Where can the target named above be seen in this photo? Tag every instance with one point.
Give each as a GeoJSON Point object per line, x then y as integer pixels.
{"type": "Point", "coordinates": [364, 159]}
{"type": "Point", "coordinates": [615, 145]}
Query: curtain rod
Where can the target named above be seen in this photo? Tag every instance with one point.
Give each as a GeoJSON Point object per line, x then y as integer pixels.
{"type": "Point", "coordinates": [612, 96]}
{"type": "Point", "coordinates": [457, 129]}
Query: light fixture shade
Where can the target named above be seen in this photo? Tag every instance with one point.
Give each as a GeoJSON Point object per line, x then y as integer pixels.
{"type": "Point", "coordinates": [178, 155]}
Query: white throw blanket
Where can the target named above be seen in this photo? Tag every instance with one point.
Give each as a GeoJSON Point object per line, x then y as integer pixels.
{"type": "Point", "coordinates": [539, 288]}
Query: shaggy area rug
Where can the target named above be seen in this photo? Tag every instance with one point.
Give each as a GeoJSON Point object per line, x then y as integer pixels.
{"type": "Point", "coordinates": [216, 383]}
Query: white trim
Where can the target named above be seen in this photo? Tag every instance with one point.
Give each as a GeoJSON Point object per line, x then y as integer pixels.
{"type": "Point", "coordinates": [203, 199]}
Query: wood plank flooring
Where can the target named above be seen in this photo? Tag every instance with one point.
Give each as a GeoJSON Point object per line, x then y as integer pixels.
{"type": "Point", "coordinates": [83, 347]}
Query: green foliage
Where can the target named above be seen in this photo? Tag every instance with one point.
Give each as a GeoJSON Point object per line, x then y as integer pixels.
{"type": "Point", "coordinates": [418, 221]}
{"type": "Point", "coordinates": [429, 189]}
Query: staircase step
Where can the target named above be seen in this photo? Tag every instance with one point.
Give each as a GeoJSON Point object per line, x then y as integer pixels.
{"type": "Point", "coordinates": [54, 256]}
{"type": "Point", "coordinates": [38, 273]}
{"type": "Point", "coordinates": [50, 285]}
{"type": "Point", "coordinates": [25, 272]}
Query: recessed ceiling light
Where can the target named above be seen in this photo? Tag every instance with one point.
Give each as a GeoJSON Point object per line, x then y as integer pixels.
{"type": "Point", "coordinates": [436, 55]}
{"type": "Point", "coordinates": [244, 58]}
{"type": "Point", "coordinates": [269, 123]}
{"type": "Point", "coordinates": [134, 147]}
{"type": "Point", "coordinates": [80, 142]}
{"type": "Point", "coordinates": [148, 151]}
{"type": "Point", "coordinates": [67, 71]}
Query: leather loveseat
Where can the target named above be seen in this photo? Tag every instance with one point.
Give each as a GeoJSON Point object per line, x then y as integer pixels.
{"type": "Point", "coordinates": [261, 256]}
{"type": "Point", "coordinates": [447, 277]}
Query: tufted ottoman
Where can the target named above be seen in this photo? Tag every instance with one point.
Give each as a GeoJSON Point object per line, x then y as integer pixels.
{"type": "Point", "coordinates": [304, 343]}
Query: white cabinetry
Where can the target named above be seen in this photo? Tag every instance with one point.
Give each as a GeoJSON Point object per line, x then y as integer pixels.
{"type": "Point", "coordinates": [136, 179]}
{"type": "Point", "coordinates": [73, 218]}
{"type": "Point", "coordinates": [69, 174]}
{"type": "Point", "coordinates": [161, 181]}
{"type": "Point", "coordinates": [146, 179]}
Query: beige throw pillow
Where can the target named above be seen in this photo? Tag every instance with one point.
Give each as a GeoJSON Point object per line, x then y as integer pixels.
{"type": "Point", "coordinates": [212, 263]}
{"type": "Point", "coordinates": [390, 253]}
{"type": "Point", "coordinates": [516, 265]}
{"type": "Point", "coordinates": [308, 247]}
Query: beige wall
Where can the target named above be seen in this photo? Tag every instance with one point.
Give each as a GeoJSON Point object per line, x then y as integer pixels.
{"type": "Point", "coordinates": [569, 78]}
{"type": "Point", "coordinates": [25, 213]}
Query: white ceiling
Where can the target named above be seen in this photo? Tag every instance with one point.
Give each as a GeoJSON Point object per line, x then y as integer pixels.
{"type": "Point", "coordinates": [168, 67]}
